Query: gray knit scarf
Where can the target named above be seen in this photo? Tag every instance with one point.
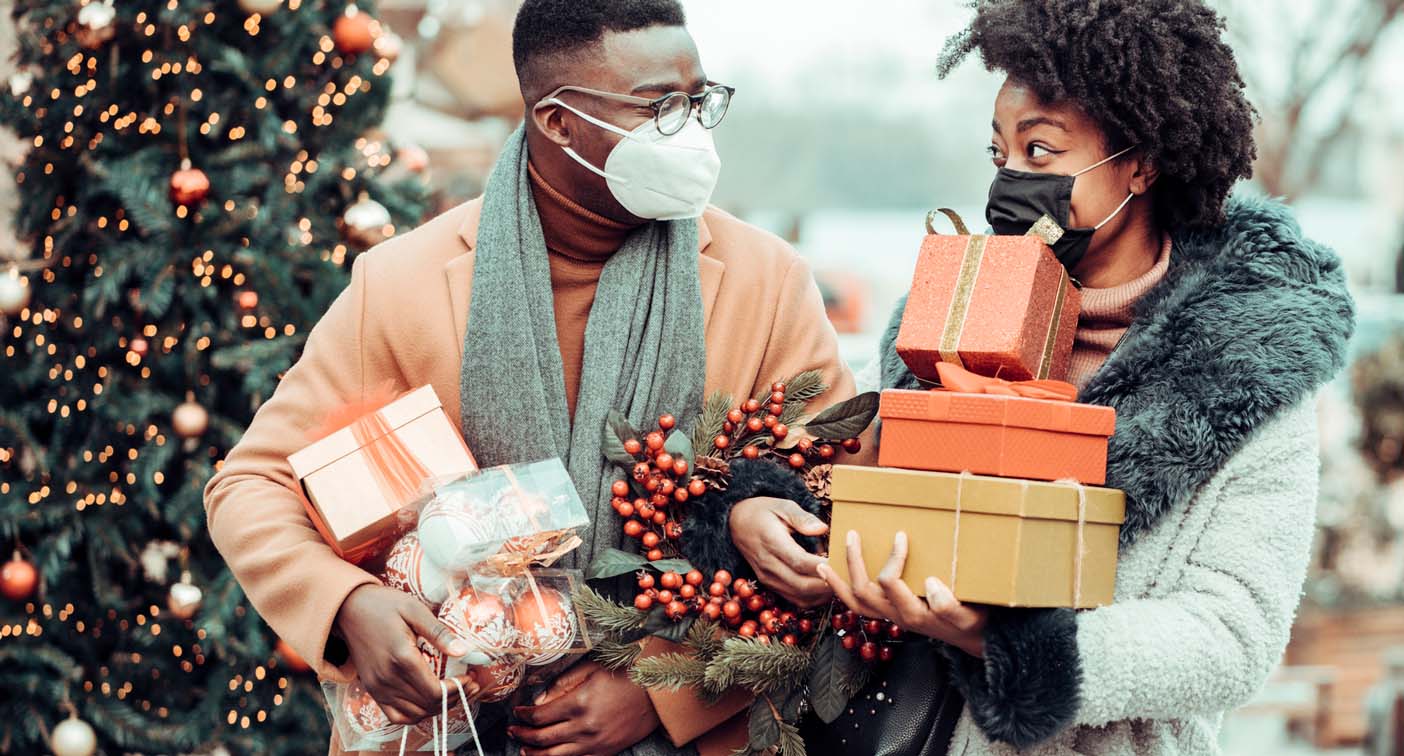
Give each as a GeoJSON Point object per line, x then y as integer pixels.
{"type": "Point", "coordinates": [644, 348]}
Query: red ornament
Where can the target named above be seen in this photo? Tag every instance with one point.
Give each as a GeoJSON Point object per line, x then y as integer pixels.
{"type": "Point", "coordinates": [722, 576]}
{"type": "Point", "coordinates": [688, 591]}
{"type": "Point", "coordinates": [776, 409]}
{"type": "Point", "coordinates": [680, 495]}
{"type": "Point", "coordinates": [654, 441]}
{"type": "Point", "coordinates": [885, 654]}
{"type": "Point", "coordinates": [751, 405]}
{"type": "Point", "coordinates": [407, 569]}
{"type": "Point", "coordinates": [780, 431]}
{"type": "Point", "coordinates": [650, 540]}
{"type": "Point", "coordinates": [716, 589]}
{"type": "Point", "coordinates": [868, 651]}
{"type": "Point", "coordinates": [291, 659]}
{"type": "Point", "coordinates": [659, 518]}
{"type": "Point", "coordinates": [497, 679]}
{"type": "Point", "coordinates": [721, 442]}
{"type": "Point", "coordinates": [664, 461]}
{"type": "Point", "coordinates": [18, 579]}
{"type": "Point", "coordinates": [483, 620]}
{"type": "Point", "coordinates": [850, 642]}
{"type": "Point", "coordinates": [646, 581]}
{"type": "Point", "coordinates": [545, 623]}
{"type": "Point", "coordinates": [365, 717]}
{"type": "Point", "coordinates": [748, 629]}
{"type": "Point", "coordinates": [777, 397]}
{"type": "Point", "coordinates": [743, 589]}
{"type": "Point", "coordinates": [711, 612]}
{"type": "Point", "coordinates": [354, 32]}
{"type": "Point", "coordinates": [826, 451]}
{"type": "Point", "coordinates": [755, 425]}
{"type": "Point", "coordinates": [671, 580]}
{"type": "Point", "coordinates": [679, 468]}
{"type": "Point", "coordinates": [139, 346]}
{"type": "Point", "coordinates": [633, 528]}
{"type": "Point", "coordinates": [777, 386]}
{"type": "Point", "coordinates": [731, 609]}
{"type": "Point", "coordinates": [189, 186]}
{"type": "Point", "coordinates": [247, 300]}
{"type": "Point", "coordinates": [755, 603]}
{"type": "Point", "coordinates": [665, 596]}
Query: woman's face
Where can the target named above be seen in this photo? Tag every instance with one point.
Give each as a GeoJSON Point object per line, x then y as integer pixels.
{"type": "Point", "coordinates": [1038, 138]}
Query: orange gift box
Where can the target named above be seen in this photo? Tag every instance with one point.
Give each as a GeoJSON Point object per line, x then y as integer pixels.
{"type": "Point", "coordinates": [993, 434]}
{"type": "Point", "coordinates": [996, 305]}
{"type": "Point", "coordinates": [361, 482]}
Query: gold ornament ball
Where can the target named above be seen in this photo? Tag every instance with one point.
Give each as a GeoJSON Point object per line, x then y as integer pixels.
{"type": "Point", "coordinates": [190, 420]}
{"type": "Point", "coordinates": [261, 7]}
{"type": "Point", "coordinates": [14, 292]}
{"type": "Point", "coordinates": [189, 186]}
{"type": "Point", "coordinates": [185, 598]}
{"type": "Point", "coordinates": [366, 221]}
{"type": "Point", "coordinates": [73, 737]}
{"type": "Point", "coordinates": [354, 32]}
{"type": "Point", "coordinates": [96, 24]}
{"type": "Point", "coordinates": [18, 579]}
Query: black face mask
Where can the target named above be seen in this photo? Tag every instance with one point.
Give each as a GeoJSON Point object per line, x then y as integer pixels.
{"type": "Point", "coordinates": [1018, 199]}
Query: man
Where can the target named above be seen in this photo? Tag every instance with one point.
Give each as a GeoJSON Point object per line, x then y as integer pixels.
{"type": "Point", "coordinates": [582, 280]}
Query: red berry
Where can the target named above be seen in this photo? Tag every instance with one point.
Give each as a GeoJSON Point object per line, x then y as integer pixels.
{"type": "Point", "coordinates": [731, 609]}
{"type": "Point", "coordinates": [885, 654]}
{"type": "Point", "coordinates": [652, 485]}
{"type": "Point", "coordinates": [780, 431]}
{"type": "Point", "coordinates": [654, 555]}
{"type": "Point", "coordinates": [641, 471]}
{"type": "Point", "coordinates": [620, 488]}
{"type": "Point", "coordinates": [790, 639]}
{"type": "Point", "coordinates": [643, 602]}
{"type": "Point", "coordinates": [694, 577]}
{"type": "Point", "coordinates": [777, 386]}
{"type": "Point", "coordinates": [633, 528]}
{"type": "Point", "coordinates": [679, 468]}
{"type": "Point", "coordinates": [633, 447]}
{"type": "Point", "coordinates": [894, 632]}
{"type": "Point", "coordinates": [718, 600]}
{"type": "Point", "coordinates": [755, 424]}
{"type": "Point", "coordinates": [776, 409]}
{"type": "Point", "coordinates": [654, 440]}
{"type": "Point", "coordinates": [722, 576]}
{"type": "Point", "coordinates": [735, 417]}
{"type": "Point", "coordinates": [722, 441]}
{"type": "Point", "coordinates": [688, 591]}
{"type": "Point", "coordinates": [787, 617]}
{"type": "Point", "coordinates": [804, 445]}
{"type": "Point", "coordinates": [871, 627]}
{"type": "Point", "coordinates": [680, 495]}
{"type": "Point", "coordinates": [716, 589]}
{"type": "Point", "coordinates": [658, 500]}
{"type": "Point", "coordinates": [626, 509]}
{"type": "Point", "coordinates": [671, 580]}
{"type": "Point", "coordinates": [850, 642]}
{"type": "Point", "coordinates": [664, 461]}
{"type": "Point", "coordinates": [729, 427]}
{"type": "Point", "coordinates": [868, 651]}
{"type": "Point", "coordinates": [743, 588]}
{"type": "Point", "coordinates": [771, 421]}
{"type": "Point", "coordinates": [650, 540]}
{"type": "Point", "coordinates": [696, 487]}
{"type": "Point", "coordinates": [645, 510]}
{"type": "Point", "coordinates": [751, 405]}
{"type": "Point", "coordinates": [750, 452]}
{"type": "Point", "coordinates": [646, 580]}
{"type": "Point", "coordinates": [806, 626]}
{"type": "Point", "coordinates": [777, 397]}
{"type": "Point", "coordinates": [766, 617]}
{"type": "Point", "coordinates": [797, 460]}
{"type": "Point", "coordinates": [755, 603]}
{"type": "Point", "coordinates": [836, 621]}
{"type": "Point", "coordinates": [826, 451]}
{"type": "Point", "coordinates": [748, 629]}
{"type": "Point", "coordinates": [672, 530]}
{"type": "Point", "coordinates": [666, 422]}
{"type": "Point", "coordinates": [666, 487]}
{"type": "Point", "coordinates": [711, 612]}
{"type": "Point", "coordinates": [665, 596]}
{"type": "Point", "coordinates": [852, 445]}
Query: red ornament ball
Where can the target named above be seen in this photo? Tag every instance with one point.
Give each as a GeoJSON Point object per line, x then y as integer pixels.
{"type": "Point", "coordinates": [796, 460]}
{"type": "Point", "coordinates": [354, 32]}
{"type": "Point", "coordinates": [545, 623]}
{"type": "Point", "coordinates": [633, 528]}
{"type": "Point", "coordinates": [654, 440]}
{"type": "Point", "coordinates": [18, 579]}
{"type": "Point", "coordinates": [722, 576]}
{"type": "Point", "coordinates": [365, 717]}
{"type": "Point", "coordinates": [664, 461]}
{"type": "Point", "coordinates": [646, 581]}
{"type": "Point", "coordinates": [852, 445]}
{"type": "Point", "coordinates": [721, 442]}
{"type": "Point", "coordinates": [755, 425]}
{"type": "Point", "coordinates": [650, 540]}
{"type": "Point", "coordinates": [189, 186]}
{"type": "Point", "coordinates": [481, 619]}
{"type": "Point", "coordinates": [247, 300]}
{"type": "Point", "coordinates": [751, 405]}
{"type": "Point", "coordinates": [671, 580]}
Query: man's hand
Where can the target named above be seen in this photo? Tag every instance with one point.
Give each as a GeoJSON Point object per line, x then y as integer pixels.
{"type": "Point", "coordinates": [380, 626]}
{"type": "Point", "coordinates": [940, 616]}
{"type": "Point", "coordinates": [762, 529]}
{"type": "Point", "coordinates": [588, 711]}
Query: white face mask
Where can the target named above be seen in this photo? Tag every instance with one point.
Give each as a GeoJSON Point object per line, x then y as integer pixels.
{"type": "Point", "coordinates": [656, 176]}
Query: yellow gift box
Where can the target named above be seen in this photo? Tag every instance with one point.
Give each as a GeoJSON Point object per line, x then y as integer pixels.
{"type": "Point", "coordinates": [999, 541]}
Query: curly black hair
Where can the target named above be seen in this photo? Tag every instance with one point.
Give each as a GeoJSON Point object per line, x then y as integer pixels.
{"type": "Point", "coordinates": [551, 29]}
{"type": "Point", "coordinates": [1151, 73]}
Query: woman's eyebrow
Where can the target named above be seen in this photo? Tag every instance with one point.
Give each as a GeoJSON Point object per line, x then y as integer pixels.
{"type": "Point", "coordinates": [1029, 123]}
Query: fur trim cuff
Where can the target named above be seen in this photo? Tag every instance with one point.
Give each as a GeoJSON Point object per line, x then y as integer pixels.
{"type": "Point", "coordinates": [1026, 689]}
{"type": "Point", "coordinates": [707, 530]}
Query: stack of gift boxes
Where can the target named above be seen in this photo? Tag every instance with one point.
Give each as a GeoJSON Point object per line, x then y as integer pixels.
{"type": "Point", "coordinates": [994, 471]}
{"type": "Point", "coordinates": [398, 493]}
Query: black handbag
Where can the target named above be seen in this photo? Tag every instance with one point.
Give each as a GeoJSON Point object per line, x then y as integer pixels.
{"type": "Point", "coordinates": [908, 708]}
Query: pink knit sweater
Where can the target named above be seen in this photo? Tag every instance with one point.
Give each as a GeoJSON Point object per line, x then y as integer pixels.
{"type": "Point", "coordinates": [1106, 314]}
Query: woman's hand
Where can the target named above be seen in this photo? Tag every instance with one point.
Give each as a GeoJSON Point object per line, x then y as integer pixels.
{"type": "Point", "coordinates": [588, 710]}
{"type": "Point", "coordinates": [763, 530]}
{"type": "Point", "coordinates": [940, 616]}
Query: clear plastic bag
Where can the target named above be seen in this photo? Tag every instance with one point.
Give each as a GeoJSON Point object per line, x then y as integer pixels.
{"type": "Point", "coordinates": [362, 726]}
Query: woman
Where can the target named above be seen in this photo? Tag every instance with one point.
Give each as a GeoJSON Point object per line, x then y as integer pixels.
{"type": "Point", "coordinates": [1208, 322]}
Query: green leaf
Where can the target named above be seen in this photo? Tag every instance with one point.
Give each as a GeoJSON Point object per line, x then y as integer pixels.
{"type": "Point", "coordinates": [613, 563]}
{"type": "Point", "coordinates": [680, 446]}
{"type": "Point", "coordinates": [831, 673]}
{"type": "Point", "coordinates": [679, 565]}
{"type": "Point", "coordinates": [764, 729]}
{"type": "Point", "coordinates": [847, 419]}
{"type": "Point", "coordinates": [660, 625]}
{"type": "Point", "coordinates": [617, 430]}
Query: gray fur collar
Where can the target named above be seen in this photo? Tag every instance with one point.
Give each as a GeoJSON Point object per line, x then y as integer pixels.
{"type": "Point", "coordinates": [1251, 318]}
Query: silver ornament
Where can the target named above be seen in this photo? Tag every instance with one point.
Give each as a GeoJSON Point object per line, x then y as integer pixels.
{"type": "Point", "coordinates": [185, 597]}
{"type": "Point", "coordinates": [14, 292]}
{"type": "Point", "coordinates": [261, 7]}
{"type": "Point", "coordinates": [366, 222]}
{"type": "Point", "coordinates": [20, 82]}
{"type": "Point", "coordinates": [73, 737]}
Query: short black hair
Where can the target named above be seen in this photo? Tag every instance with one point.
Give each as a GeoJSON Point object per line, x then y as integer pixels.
{"type": "Point", "coordinates": [1151, 73]}
{"type": "Point", "coordinates": [551, 29]}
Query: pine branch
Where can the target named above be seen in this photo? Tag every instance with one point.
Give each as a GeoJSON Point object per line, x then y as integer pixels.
{"type": "Point", "coordinates": [605, 615]}
{"type": "Point", "coordinates": [704, 640]}
{"type": "Point", "coordinates": [805, 387]}
{"type": "Point", "coordinates": [758, 666]}
{"type": "Point", "coordinates": [615, 655]}
{"type": "Point", "coordinates": [791, 744]}
{"type": "Point", "coordinates": [670, 671]}
{"type": "Point", "coordinates": [709, 423]}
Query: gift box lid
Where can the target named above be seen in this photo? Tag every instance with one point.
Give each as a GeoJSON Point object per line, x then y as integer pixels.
{"type": "Point", "coordinates": [346, 441]}
{"type": "Point", "coordinates": [995, 409]}
{"type": "Point", "coordinates": [977, 494]}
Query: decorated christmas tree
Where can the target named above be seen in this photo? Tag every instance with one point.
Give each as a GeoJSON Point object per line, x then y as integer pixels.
{"type": "Point", "coordinates": [202, 173]}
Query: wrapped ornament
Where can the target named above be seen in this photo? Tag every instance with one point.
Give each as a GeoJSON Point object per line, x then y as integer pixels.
{"type": "Point", "coordinates": [483, 620]}
{"type": "Point", "coordinates": [545, 623]}
{"type": "Point", "coordinates": [363, 719]}
{"type": "Point", "coordinates": [407, 569]}
{"type": "Point", "coordinates": [499, 678]}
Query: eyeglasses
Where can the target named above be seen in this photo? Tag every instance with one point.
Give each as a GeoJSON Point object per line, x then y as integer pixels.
{"type": "Point", "coordinates": [671, 111]}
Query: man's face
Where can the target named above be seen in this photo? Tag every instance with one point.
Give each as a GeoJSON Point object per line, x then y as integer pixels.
{"type": "Point", "coordinates": [647, 63]}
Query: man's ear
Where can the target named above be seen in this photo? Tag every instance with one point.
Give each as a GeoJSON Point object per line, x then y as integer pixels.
{"type": "Point", "coordinates": [1144, 177]}
{"type": "Point", "coordinates": [550, 120]}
